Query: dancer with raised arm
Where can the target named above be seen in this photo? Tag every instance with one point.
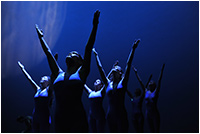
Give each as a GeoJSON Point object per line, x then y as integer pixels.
{"type": "Point", "coordinates": [70, 115]}
{"type": "Point", "coordinates": [42, 98]}
{"type": "Point", "coordinates": [151, 99]}
{"type": "Point", "coordinates": [96, 116]}
{"type": "Point", "coordinates": [116, 89]}
{"type": "Point", "coordinates": [137, 101]}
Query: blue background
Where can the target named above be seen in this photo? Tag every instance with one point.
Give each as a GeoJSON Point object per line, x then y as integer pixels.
{"type": "Point", "coordinates": [169, 33]}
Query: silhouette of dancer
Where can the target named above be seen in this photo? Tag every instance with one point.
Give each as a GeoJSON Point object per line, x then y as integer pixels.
{"type": "Point", "coordinates": [70, 115]}
{"type": "Point", "coordinates": [151, 98]}
{"type": "Point", "coordinates": [42, 98]}
{"type": "Point", "coordinates": [137, 100]}
{"type": "Point", "coordinates": [28, 122]}
{"type": "Point", "coordinates": [96, 117]}
{"type": "Point", "coordinates": [116, 89]}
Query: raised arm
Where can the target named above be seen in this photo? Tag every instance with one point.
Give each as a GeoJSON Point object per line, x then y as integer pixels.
{"type": "Point", "coordinates": [85, 69]}
{"type": "Point", "coordinates": [159, 80]}
{"type": "Point", "coordinates": [87, 89]}
{"type": "Point", "coordinates": [100, 68]}
{"type": "Point", "coordinates": [139, 79]}
{"type": "Point", "coordinates": [148, 81]}
{"type": "Point", "coordinates": [34, 85]}
{"type": "Point", "coordinates": [55, 69]}
{"type": "Point", "coordinates": [129, 61]}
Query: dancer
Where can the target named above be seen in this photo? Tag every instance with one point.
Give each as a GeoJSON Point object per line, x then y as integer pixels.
{"type": "Point", "coordinates": [151, 98]}
{"type": "Point", "coordinates": [137, 100]}
{"type": "Point", "coordinates": [116, 89]}
{"type": "Point", "coordinates": [96, 117]}
{"type": "Point", "coordinates": [70, 115]}
{"type": "Point", "coordinates": [42, 98]}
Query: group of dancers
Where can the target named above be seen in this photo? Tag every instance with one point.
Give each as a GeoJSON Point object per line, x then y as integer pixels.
{"type": "Point", "coordinates": [67, 87]}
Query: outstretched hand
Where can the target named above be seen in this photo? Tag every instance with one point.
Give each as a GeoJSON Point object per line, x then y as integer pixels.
{"type": "Point", "coordinates": [96, 17]}
{"type": "Point", "coordinates": [163, 67]}
{"type": "Point", "coordinates": [135, 70]}
{"type": "Point", "coordinates": [95, 52]}
{"type": "Point", "coordinates": [20, 65]}
{"type": "Point", "coordinates": [39, 31]}
{"type": "Point", "coordinates": [136, 43]}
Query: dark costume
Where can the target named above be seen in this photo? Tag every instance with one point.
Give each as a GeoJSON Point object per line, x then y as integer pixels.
{"type": "Point", "coordinates": [41, 113]}
{"type": "Point", "coordinates": [117, 115]}
{"type": "Point", "coordinates": [96, 117]}
{"type": "Point", "coordinates": [70, 115]}
{"type": "Point", "coordinates": [152, 113]}
{"type": "Point", "coordinates": [137, 115]}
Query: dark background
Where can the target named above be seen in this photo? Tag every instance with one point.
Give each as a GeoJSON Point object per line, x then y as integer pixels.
{"type": "Point", "coordinates": [169, 33]}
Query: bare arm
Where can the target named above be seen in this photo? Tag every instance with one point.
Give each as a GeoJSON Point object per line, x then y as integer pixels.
{"type": "Point", "coordinates": [148, 81]}
{"type": "Point", "coordinates": [139, 79]}
{"type": "Point", "coordinates": [128, 65]}
{"type": "Point", "coordinates": [159, 80]}
{"type": "Point", "coordinates": [52, 77]}
{"type": "Point", "coordinates": [100, 68]}
{"type": "Point", "coordinates": [85, 69]}
{"type": "Point", "coordinates": [34, 85]}
{"type": "Point", "coordinates": [55, 69]}
{"type": "Point", "coordinates": [87, 89]}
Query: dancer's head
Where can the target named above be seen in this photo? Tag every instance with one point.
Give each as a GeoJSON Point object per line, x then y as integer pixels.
{"type": "Point", "coordinates": [44, 82]}
{"type": "Point", "coordinates": [152, 85]}
{"type": "Point", "coordinates": [74, 59]}
{"type": "Point", "coordinates": [98, 85]}
{"type": "Point", "coordinates": [137, 92]}
{"type": "Point", "coordinates": [117, 73]}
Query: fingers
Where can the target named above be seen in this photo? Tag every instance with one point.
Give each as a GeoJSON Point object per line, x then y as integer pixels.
{"type": "Point", "coordinates": [39, 31]}
{"type": "Point", "coordinates": [138, 40]}
{"type": "Point", "coordinates": [20, 64]}
{"type": "Point", "coordinates": [36, 26]}
{"type": "Point", "coordinates": [94, 51]}
{"type": "Point", "coordinates": [96, 17]}
{"type": "Point", "coordinates": [134, 69]}
{"type": "Point", "coordinates": [136, 43]}
{"type": "Point", "coordinates": [163, 66]}
{"type": "Point", "coordinates": [97, 13]}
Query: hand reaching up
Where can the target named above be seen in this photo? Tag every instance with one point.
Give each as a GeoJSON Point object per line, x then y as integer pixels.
{"type": "Point", "coordinates": [96, 17]}
{"type": "Point", "coordinates": [39, 31]}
